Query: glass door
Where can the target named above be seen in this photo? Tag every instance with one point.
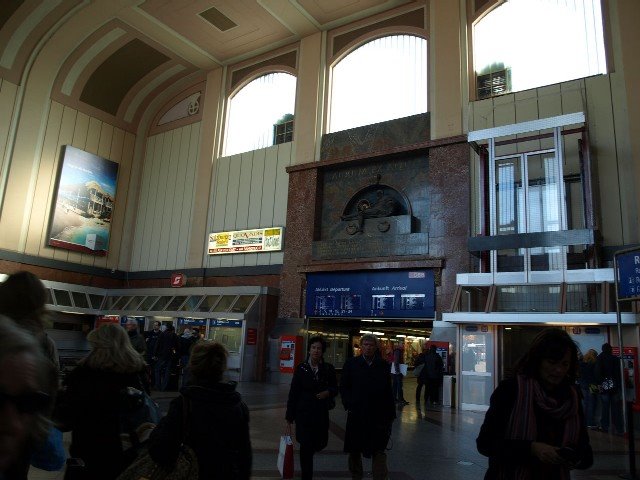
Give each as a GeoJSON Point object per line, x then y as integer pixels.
{"type": "Point", "coordinates": [477, 366]}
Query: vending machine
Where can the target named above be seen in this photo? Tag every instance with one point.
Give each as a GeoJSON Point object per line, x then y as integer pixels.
{"type": "Point", "coordinates": [631, 383]}
{"type": "Point", "coordinates": [291, 350]}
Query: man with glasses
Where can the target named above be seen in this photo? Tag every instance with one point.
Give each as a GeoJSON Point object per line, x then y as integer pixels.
{"type": "Point", "coordinates": [365, 388]}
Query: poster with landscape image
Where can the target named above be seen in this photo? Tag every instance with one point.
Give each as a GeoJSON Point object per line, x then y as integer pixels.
{"type": "Point", "coordinates": [84, 200]}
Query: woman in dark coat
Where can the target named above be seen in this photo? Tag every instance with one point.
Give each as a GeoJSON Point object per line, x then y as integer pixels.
{"type": "Point", "coordinates": [534, 427]}
{"type": "Point", "coordinates": [217, 420]}
{"type": "Point", "coordinates": [313, 388]}
{"type": "Point", "coordinates": [90, 405]}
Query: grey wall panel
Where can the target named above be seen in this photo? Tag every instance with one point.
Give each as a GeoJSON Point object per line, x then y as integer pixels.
{"type": "Point", "coordinates": [166, 200]}
{"type": "Point", "coordinates": [249, 191]}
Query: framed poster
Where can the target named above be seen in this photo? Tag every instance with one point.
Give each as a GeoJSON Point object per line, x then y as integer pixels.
{"type": "Point", "coordinates": [83, 202]}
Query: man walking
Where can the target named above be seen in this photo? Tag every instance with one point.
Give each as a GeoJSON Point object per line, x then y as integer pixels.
{"type": "Point", "coordinates": [433, 373]}
{"type": "Point", "coordinates": [365, 388]}
{"type": "Point", "coordinates": [165, 352]}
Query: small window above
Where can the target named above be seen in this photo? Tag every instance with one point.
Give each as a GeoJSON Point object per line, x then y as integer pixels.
{"type": "Point", "coordinates": [257, 109]}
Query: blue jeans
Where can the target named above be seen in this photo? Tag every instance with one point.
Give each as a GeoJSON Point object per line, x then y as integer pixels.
{"type": "Point", "coordinates": [163, 366]}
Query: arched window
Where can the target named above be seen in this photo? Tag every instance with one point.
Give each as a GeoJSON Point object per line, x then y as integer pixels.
{"type": "Point", "coordinates": [261, 114]}
{"type": "Point", "coordinates": [525, 44]}
{"type": "Point", "coordinates": [381, 80]}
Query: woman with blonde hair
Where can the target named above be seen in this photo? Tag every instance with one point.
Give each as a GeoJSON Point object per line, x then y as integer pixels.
{"type": "Point", "coordinates": [91, 403]}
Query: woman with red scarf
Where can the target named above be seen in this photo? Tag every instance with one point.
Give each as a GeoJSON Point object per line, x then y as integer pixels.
{"type": "Point", "coordinates": [534, 428]}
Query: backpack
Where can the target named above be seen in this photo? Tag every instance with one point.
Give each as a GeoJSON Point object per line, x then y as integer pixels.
{"type": "Point", "coordinates": [185, 468]}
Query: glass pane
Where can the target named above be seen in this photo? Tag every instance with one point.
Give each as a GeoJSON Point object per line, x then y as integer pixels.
{"type": "Point", "coordinates": [148, 302]}
{"type": "Point", "coordinates": [135, 302]}
{"type": "Point", "coordinates": [383, 79]}
{"type": "Point", "coordinates": [509, 197]}
{"type": "Point", "coordinates": [511, 260]}
{"type": "Point", "coordinates": [584, 297]}
{"type": "Point", "coordinates": [96, 300]}
{"type": "Point", "coordinates": [122, 302]}
{"type": "Point", "coordinates": [547, 258]}
{"type": "Point", "coordinates": [80, 300]}
{"type": "Point", "coordinates": [544, 193]}
{"type": "Point", "coordinates": [208, 303]}
{"type": "Point", "coordinates": [161, 303]}
{"type": "Point", "coordinates": [242, 303]}
{"type": "Point", "coordinates": [474, 352]}
{"type": "Point", "coordinates": [474, 299]}
{"type": "Point", "coordinates": [528, 298]}
{"type": "Point", "coordinates": [110, 302]}
{"type": "Point", "coordinates": [190, 304]}
{"type": "Point", "coordinates": [501, 39]}
{"type": "Point", "coordinates": [62, 297]}
{"type": "Point", "coordinates": [578, 256]}
{"type": "Point", "coordinates": [477, 366]}
{"type": "Point", "coordinates": [230, 337]}
{"type": "Point", "coordinates": [176, 303]}
{"type": "Point", "coordinates": [224, 303]}
{"type": "Point", "coordinates": [250, 128]}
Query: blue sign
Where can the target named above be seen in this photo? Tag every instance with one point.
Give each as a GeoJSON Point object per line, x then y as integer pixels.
{"type": "Point", "coordinates": [392, 294]}
{"type": "Point", "coordinates": [194, 322]}
{"type": "Point", "coordinates": [218, 322]}
{"type": "Point", "coordinates": [628, 275]}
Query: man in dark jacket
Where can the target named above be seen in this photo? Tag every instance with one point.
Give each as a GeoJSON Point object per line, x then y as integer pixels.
{"type": "Point", "coordinates": [431, 376]}
{"type": "Point", "coordinates": [608, 377]}
{"type": "Point", "coordinates": [137, 341]}
{"type": "Point", "coordinates": [164, 354]}
{"type": "Point", "coordinates": [365, 388]}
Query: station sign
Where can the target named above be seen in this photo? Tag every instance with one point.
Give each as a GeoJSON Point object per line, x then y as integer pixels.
{"type": "Point", "coordinates": [218, 322]}
{"type": "Point", "coordinates": [628, 265]}
{"type": "Point", "coordinates": [246, 241]}
{"type": "Point", "coordinates": [391, 294]}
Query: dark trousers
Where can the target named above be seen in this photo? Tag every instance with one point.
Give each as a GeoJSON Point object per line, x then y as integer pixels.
{"type": "Point", "coordinates": [419, 392]}
{"type": "Point", "coordinates": [379, 469]}
{"type": "Point", "coordinates": [306, 461]}
{"type": "Point", "coordinates": [398, 394]}
{"type": "Point", "coordinates": [433, 391]}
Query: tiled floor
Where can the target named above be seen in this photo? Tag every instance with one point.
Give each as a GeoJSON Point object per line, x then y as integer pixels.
{"type": "Point", "coordinates": [426, 444]}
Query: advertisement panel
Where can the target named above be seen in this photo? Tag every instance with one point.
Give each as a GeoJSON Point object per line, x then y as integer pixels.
{"type": "Point", "coordinates": [392, 294]}
{"type": "Point", "coordinates": [246, 241]}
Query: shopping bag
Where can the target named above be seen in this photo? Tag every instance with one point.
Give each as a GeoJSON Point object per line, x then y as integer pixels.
{"type": "Point", "coordinates": [50, 455]}
{"type": "Point", "coordinates": [417, 370]}
{"type": "Point", "coordinates": [285, 457]}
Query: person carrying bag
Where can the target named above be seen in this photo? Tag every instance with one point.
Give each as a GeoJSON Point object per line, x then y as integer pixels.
{"type": "Point", "coordinates": [184, 468]}
{"type": "Point", "coordinates": [285, 455]}
{"type": "Point", "coordinates": [311, 396]}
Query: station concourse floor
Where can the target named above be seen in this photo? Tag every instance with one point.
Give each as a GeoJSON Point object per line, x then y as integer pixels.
{"type": "Point", "coordinates": [434, 443]}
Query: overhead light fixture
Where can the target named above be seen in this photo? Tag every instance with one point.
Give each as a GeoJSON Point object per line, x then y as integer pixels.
{"type": "Point", "coordinates": [365, 331]}
{"type": "Point", "coordinates": [378, 333]}
{"type": "Point", "coordinates": [400, 336]}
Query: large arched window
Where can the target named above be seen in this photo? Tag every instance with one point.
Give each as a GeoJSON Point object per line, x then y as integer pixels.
{"type": "Point", "coordinates": [261, 113]}
{"type": "Point", "coordinates": [525, 44]}
{"type": "Point", "coordinates": [381, 80]}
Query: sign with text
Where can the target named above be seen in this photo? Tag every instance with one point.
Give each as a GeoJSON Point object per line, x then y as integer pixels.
{"type": "Point", "coordinates": [246, 241]}
{"type": "Point", "coordinates": [392, 294]}
{"type": "Point", "coordinates": [220, 322]}
{"type": "Point", "coordinates": [628, 275]}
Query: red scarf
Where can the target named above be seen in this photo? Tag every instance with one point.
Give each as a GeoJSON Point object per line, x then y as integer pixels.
{"type": "Point", "coordinates": [523, 423]}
